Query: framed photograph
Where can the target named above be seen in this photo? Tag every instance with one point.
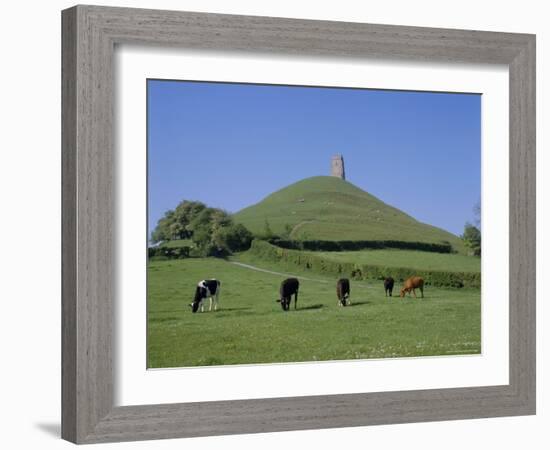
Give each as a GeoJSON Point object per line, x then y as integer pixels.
{"type": "Point", "coordinates": [267, 222]}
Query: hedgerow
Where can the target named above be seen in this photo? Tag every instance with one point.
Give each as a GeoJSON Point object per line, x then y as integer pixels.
{"type": "Point", "coordinates": [323, 265]}
{"type": "Point", "coordinates": [339, 246]}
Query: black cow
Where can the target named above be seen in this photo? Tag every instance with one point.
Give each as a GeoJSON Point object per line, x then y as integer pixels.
{"type": "Point", "coordinates": [343, 292]}
{"type": "Point", "coordinates": [206, 289]}
{"type": "Point", "coordinates": [388, 286]}
{"type": "Point", "coordinates": [288, 288]}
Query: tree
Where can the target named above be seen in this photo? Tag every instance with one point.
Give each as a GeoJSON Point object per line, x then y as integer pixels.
{"type": "Point", "coordinates": [211, 229]}
{"type": "Point", "coordinates": [161, 233]}
{"type": "Point", "coordinates": [472, 238]}
{"type": "Point", "coordinates": [236, 237]}
{"type": "Point", "coordinates": [215, 234]}
{"type": "Point", "coordinates": [176, 223]}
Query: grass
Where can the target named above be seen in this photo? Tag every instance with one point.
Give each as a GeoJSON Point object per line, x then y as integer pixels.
{"type": "Point", "coordinates": [408, 258]}
{"type": "Point", "coordinates": [251, 327]}
{"type": "Point", "coordinates": [328, 208]}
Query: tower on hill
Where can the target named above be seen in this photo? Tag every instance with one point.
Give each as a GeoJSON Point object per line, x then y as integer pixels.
{"type": "Point", "coordinates": [337, 166]}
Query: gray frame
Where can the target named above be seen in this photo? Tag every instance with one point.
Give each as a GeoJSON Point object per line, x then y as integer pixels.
{"type": "Point", "coordinates": [89, 36]}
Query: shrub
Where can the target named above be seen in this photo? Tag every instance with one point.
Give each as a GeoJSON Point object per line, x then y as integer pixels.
{"type": "Point", "coordinates": [320, 264]}
{"type": "Point", "coordinates": [339, 246]}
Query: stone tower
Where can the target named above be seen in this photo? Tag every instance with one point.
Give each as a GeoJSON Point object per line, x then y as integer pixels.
{"type": "Point", "coordinates": [337, 166]}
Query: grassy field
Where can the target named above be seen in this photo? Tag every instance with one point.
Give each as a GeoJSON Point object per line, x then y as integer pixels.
{"type": "Point", "coordinates": [409, 258]}
{"type": "Point", "coordinates": [251, 327]}
{"type": "Point", "coordinates": [328, 208]}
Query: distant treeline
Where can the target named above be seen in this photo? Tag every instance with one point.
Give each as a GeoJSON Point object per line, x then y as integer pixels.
{"type": "Point", "coordinates": [340, 246]}
{"type": "Point", "coordinates": [323, 265]}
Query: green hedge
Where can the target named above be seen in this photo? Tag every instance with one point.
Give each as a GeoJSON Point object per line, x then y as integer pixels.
{"type": "Point", "coordinates": [160, 253]}
{"type": "Point", "coordinates": [339, 246]}
{"type": "Point", "coordinates": [320, 264]}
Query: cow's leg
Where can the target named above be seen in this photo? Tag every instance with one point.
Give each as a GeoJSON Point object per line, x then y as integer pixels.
{"type": "Point", "coordinates": [216, 298]}
{"type": "Point", "coordinates": [349, 299]}
{"type": "Point", "coordinates": [414, 292]}
{"type": "Point", "coordinates": [422, 291]}
{"type": "Point", "coordinates": [295, 300]}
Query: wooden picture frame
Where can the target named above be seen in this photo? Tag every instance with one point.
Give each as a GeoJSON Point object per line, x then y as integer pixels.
{"type": "Point", "coordinates": [90, 34]}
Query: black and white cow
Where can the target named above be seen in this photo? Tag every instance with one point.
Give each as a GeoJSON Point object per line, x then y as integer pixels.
{"type": "Point", "coordinates": [343, 292]}
{"type": "Point", "coordinates": [206, 289]}
{"type": "Point", "coordinates": [289, 287]}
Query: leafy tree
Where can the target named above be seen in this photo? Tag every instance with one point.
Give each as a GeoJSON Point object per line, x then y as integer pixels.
{"type": "Point", "coordinates": [236, 237]}
{"type": "Point", "coordinates": [161, 233]}
{"type": "Point", "coordinates": [472, 238]}
{"type": "Point", "coordinates": [175, 223]}
{"type": "Point", "coordinates": [211, 229]}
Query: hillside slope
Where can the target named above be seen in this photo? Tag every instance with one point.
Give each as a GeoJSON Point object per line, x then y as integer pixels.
{"type": "Point", "coordinates": [328, 208]}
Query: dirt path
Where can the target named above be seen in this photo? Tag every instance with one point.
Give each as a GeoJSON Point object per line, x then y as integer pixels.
{"type": "Point", "coordinates": [282, 274]}
{"type": "Point", "coordinates": [298, 226]}
{"type": "Point", "coordinates": [259, 269]}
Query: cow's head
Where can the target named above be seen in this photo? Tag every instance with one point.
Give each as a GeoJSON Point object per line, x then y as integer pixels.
{"type": "Point", "coordinates": [200, 292]}
{"type": "Point", "coordinates": [285, 303]}
{"type": "Point", "coordinates": [403, 291]}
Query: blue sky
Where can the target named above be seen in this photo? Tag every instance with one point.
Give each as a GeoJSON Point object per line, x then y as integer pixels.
{"type": "Point", "coordinates": [230, 145]}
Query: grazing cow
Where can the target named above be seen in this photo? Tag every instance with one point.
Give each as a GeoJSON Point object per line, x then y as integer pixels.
{"type": "Point", "coordinates": [343, 292]}
{"type": "Point", "coordinates": [411, 284]}
{"type": "Point", "coordinates": [206, 289]}
{"type": "Point", "coordinates": [288, 288]}
{"type": "Point", "coordinates": [388, 286]}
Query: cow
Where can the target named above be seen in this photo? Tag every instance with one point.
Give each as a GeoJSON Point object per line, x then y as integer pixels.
{"type": "Point", "coordinates": [343, 292]}
{"type": "Point", "coordinates": [411, 284]}
{"type": "Point", "coordinates": [206, 289]}
{"type": "Point", "coordinates": [388, 286]}
{"type": "Point", "coordinates": [288, 288]}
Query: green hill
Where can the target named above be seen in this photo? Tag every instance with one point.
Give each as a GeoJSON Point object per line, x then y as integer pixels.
{"type": "Point", "coordinates": [328, 208]}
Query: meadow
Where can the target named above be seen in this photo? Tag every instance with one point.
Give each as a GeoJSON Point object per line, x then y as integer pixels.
{"type": "Point", "coordinates": [408, 258]}
{"type": "Point", "coordinates": [250, 326]}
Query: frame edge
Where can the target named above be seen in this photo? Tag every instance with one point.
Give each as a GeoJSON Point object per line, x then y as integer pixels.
{"type": "Point", "coordinates": [68, 224]}
{"type": "Point", "coordinates": [88, 37]}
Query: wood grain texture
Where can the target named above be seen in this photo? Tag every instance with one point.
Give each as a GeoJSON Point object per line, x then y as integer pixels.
{"type": "Point", "coordinates": [89, 36]}
{"type": "Point", "coordinates": [68, 226]}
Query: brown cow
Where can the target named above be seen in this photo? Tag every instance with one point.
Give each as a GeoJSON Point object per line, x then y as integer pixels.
{"type": "Point", "coordinates": [411, 284]}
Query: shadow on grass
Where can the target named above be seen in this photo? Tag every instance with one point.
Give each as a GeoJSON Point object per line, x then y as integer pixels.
{"type": "Point", "coordinates": [359, 304]}
{"type": "Point", "coordinates": [307, 308]}
{"type": "Point", "coordinates": [234, 309]}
